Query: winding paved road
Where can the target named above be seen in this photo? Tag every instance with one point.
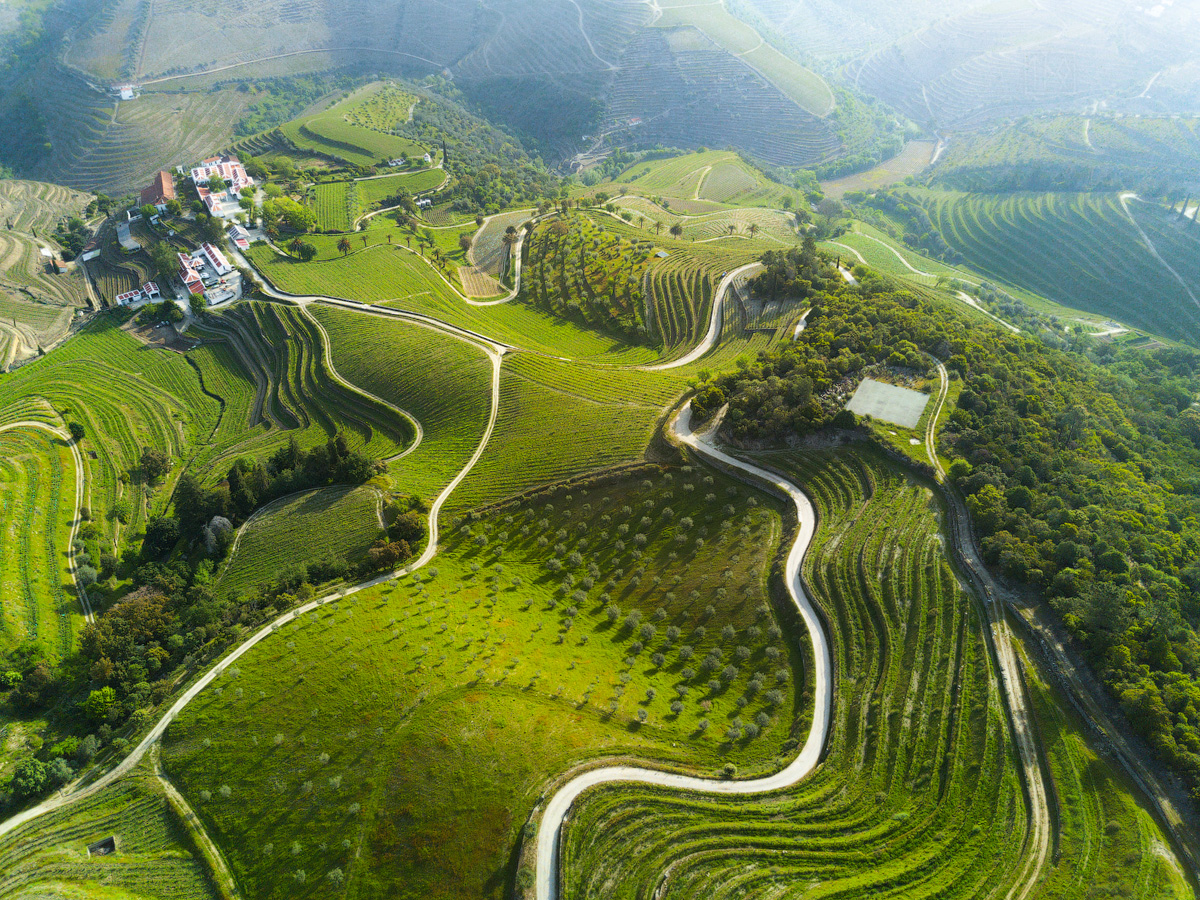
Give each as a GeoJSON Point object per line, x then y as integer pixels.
{"type": "Point", "coordinates": [557, 810]}
{"type": "Point", "coordinates": [714, 323]}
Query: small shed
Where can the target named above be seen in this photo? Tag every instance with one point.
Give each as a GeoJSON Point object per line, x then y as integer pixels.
{"type": "Point", "coordinates": [105, 847]}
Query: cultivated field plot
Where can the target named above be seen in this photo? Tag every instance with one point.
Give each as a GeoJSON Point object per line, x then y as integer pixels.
{"type": "Point", "coordinates": [37, 507]}
{"type": "Point", "coordinates": [155, 854]}
{"type": "Point", "coordinates": [432, 709]}
{"type": "Point", "coordinates": [888, 403]}
{"type": "Point", "coordinates": [488, 252]}
{"type": "Point", "coordinates": [1072, 248]}
{"type": "Point", "coordinates": [917, 795]}
{"type": "Point", "coordinates": [350, 131]}
{"type": "Point", "coordinates": [443, 382]}
{"type": "Point", "coordinates": [914, 158]}
{"type": "Point", "coordinates": [295, 531]}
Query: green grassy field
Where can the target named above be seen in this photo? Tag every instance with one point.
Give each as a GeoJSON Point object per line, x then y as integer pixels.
{"type": "Point", "coordinates": [403, 735]}
{"type": "Point", "coordinates": [918, 795]}
{"type": "Point", "coordinates": [1072, 249]}
{"type": "Point", "coordinates": [283, 536]}
{"type": "Point", "coordinates": [37, 502]}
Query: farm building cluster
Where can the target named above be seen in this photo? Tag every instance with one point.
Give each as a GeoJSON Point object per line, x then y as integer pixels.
{"type": "Point", "coordinates": [148, 291]}
{"type": "Point", "coordinates": [207, 273]}
{"type": "Point", "coordinates": [229, 169]}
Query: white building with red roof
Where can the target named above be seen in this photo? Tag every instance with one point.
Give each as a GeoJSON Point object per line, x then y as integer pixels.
{"type": "Point", "coordinates": [229, 168]}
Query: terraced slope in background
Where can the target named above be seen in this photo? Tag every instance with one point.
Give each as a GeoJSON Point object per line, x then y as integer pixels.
{"type": "Point", "coordinates": [1081, 250]}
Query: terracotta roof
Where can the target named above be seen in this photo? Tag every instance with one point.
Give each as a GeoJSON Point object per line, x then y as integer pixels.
{"type": "Point", "coordinates": [161, 190]}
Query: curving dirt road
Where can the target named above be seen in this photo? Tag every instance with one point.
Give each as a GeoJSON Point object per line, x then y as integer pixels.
{"type": "Point", "coordinates": [557, 810]}
{"type": "Point", "coordinates": [1012, 683]}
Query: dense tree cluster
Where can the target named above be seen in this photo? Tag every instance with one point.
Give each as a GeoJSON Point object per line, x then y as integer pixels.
{"type": "Point", "coordinates": [794, 274]}
{"type": "Point", "coordinates": [491, 170]}
{"type": "Point", "coordinates": [1081, 471]}
{"type": "Point", "coordinates": [580, 270]}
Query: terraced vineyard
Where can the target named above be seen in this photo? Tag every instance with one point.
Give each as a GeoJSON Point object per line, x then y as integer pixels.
{"type": "Point", "coordinates": [37, 507]}
{"type": "Point", "coordinates": [117, 148]}
{"type": "Point", "coordinates": [398, 278]}
{"type": "Point", "coordinates": [719, 176]}
{"type": "Point", "coordinates": [36, 304]}
{"type": "Point", "coordinates": [339, 204]}
{"type": "Point", "coordinates": [444, 383]}
{"type": "Point", "coordinates": [679, 87]}
{"type": "Point", "coordinates": [290, 393]}
{"type": "Point", "coordinates": [1072, 248]}
{"type": "Point", "coordinates": [279, 537]}
{"type": "Point", "coordinates": [917, 795]}
{"type": "Point", "coordinates": [127, 399]}
{"type": "Point", "coordinates": [340, 131]}
{"type": "Point", "coordinates": [156, 856]}
{"type": "Point", "coordinates": [336, 204]}
{"type": "Point", "coordinates": [562, 420]}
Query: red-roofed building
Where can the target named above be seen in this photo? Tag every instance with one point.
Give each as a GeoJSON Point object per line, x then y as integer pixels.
{"type": "Point", "coordinates": [189, 274]}
{"type": "Point", "coordinates": [229, 168]}
{"type": "Point", "coordinates": [160, 192]}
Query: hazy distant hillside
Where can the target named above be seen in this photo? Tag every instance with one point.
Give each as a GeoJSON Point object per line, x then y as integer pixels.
{"type": "Point", "coordinates": [173, 37]}
{"type": "Point", "coordinates": [967, 62]}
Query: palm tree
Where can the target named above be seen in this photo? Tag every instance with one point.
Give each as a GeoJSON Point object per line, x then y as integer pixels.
{"type": "Point", "coordinates": [295, 245]}
{"type": "Point", "coordinates": [641, 221]}
{"type": "Point", "coordinates": [732, 229]}
{"type": "Point", "coordinates": [676, 230]}
{"type": "Point", "coordinates": [344, 246]}
{"type": "Point", "coordinates": [753, 229]}
{"type": "Point", "coordinates": [389, 237]}
{"type": "Point", "coordinates": [364, 240]}
{"type": "Point", "coordinates": [658, 227]}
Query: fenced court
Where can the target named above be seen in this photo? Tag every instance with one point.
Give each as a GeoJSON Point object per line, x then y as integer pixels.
{"type": "Point", "coordinates": [888, 403]}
